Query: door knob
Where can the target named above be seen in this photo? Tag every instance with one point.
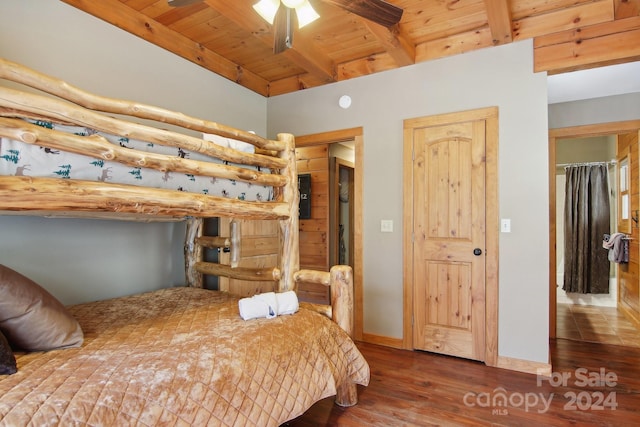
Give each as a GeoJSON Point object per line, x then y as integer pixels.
{"type": "Point", "coordinates": [477, 251]}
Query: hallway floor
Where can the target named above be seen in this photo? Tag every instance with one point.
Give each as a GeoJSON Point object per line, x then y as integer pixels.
{"type": "Point", "coordinates": [595, 324]}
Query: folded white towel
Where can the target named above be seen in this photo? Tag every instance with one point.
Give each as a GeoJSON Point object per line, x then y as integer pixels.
{"type": "Point", "coordinates": [245, 147]}
{"type": "Point", "coordinates": [268, 304]}
{"type": "Point", "coordinates": [287, 302]}
{"type": "Point", "coordinates": [261, 305]}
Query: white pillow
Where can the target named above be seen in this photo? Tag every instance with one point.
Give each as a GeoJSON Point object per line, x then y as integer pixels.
{"type": "Point", "coordinates": [245, 147]}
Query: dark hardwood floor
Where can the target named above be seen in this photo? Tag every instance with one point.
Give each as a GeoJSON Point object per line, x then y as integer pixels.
{"type": "Point", "coordinates": [592, 385]}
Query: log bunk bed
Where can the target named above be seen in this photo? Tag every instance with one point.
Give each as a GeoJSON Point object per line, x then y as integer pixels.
{"type": "Point", "coordinates": [178, 356]}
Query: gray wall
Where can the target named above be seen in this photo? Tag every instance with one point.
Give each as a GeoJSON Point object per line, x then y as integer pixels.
{"type": "Point", "coordinates": [81, 260]}
{"type": "Point", "coordinates": [597, 110]}
{"type": "Point", "coordinates": [500, 77]}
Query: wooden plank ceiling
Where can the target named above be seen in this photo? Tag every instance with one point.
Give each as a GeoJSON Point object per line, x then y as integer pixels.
{"type": "Point", "coordinates": [229, 38]}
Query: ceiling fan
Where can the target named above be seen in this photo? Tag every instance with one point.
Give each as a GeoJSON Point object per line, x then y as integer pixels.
{"type": "Point", "coordinates": [279, 14]}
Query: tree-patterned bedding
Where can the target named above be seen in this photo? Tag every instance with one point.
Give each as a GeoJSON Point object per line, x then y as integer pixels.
{"type": "Point", "coordinates": [20, 159]}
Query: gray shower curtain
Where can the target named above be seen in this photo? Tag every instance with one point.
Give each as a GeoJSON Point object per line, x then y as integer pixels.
{"type": "Point", "coordinates": [587, 217]}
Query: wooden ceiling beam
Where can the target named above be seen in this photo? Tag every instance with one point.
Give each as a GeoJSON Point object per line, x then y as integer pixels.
{"type": "Point", "coordinates": [293, 84]}
{"type": "Point", "coordinates": [395, 43]}
{"type": "Point", "coordinates": [626, 8]}
{"type": "Point", "coordinates": [499, 18]}
{"type": "Point", "coordinates": [433, 49]}
{"type": "Point", "coordinates": [568, 18]}
{"type": "Point", "coordinates": [303, 53]}
{"type": "Point", "coordinates": [588, 47]}
{"type": "Point", "coordinates": [365, 66]}
{"type": "Point", "coordinates": [454, 45]}
{"type": "Point", "coordinates": [134, 22]}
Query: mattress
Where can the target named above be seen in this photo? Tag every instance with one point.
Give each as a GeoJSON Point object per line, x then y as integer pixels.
{"type": "Point", "coordinates": [21, 159]}
{"type": "Point", "coordinates": [181, 356]}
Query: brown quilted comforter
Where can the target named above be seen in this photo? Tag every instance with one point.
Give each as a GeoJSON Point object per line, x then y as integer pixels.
{"type": "Point", "coordinates": [181, 356]}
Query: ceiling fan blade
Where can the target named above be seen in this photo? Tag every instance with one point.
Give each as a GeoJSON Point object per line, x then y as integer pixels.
{"type": "Point", "coordinates": [282, 33]}
{"type": "Point", "coordinates": [180, 3]}
{"type": "Point", "coordinates": [378, 11]}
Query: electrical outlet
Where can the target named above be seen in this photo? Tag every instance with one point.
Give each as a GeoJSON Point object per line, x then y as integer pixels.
{"type": "Point", "coordinates": [386, 226]}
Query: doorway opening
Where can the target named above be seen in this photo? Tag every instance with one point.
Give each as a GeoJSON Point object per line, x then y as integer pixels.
{"type": "Point", "coordinates": [341, 153]}
{"type": "Point", "coordinates": [576, 152]}
{"type": "Point", "coordinates": [341, 206]}
{"type": "Point", "coordinates": [598, 316]}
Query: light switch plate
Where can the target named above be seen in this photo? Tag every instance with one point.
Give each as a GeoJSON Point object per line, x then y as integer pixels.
{"type": "Point", "coordinates": [505, 225]}
{"type": "Point", "coordinates": [386, 226]}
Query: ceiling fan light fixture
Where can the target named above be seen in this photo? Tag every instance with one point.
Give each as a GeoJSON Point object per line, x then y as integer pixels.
{"type": "Point", "coordinates": [293, 4]}
{"type": "Point", "coordinates": [267, 9]}
{"type": "Point", "coordinates": [306, 13]}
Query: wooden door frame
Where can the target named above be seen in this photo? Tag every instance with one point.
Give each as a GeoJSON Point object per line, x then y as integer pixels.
{"type": "Point", "coordinates": [336, 164]}
{"type": "Point", "coordinates": [355, 135]}
{"type": "Point", "coordinates": [584, 131]}
{"type": "Point", "coordinates": [490, 114]}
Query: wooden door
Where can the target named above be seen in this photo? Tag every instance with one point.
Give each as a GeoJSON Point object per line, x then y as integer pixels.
{"type": "Point", "coordinates": [449, 238]}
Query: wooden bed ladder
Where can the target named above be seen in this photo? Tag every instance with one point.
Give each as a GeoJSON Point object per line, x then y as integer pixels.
{"type": "Point", "coordinates": [195, 267]}
{"type": "Point", "coordinates": [289, 254]}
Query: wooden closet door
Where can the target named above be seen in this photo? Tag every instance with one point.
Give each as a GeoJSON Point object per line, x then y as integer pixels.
{"type": "Point", "coordinates": [449, 239]}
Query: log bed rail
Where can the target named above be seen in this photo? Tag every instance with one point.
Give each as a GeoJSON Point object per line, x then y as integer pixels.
{"type": "Point", "coordinates": [63, 103]}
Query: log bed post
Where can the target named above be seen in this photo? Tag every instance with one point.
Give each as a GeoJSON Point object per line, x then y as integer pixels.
{"type": "Point", "coordinates": [341, 284]}
{"type": "Point", "coordinates": [340, 281]}
{"type": "Point", "coordinates": [193, 251]}
{"type": "Point", "coordinates": [290, 262]}
{"type": "Point", "coordinates": [341, 288]}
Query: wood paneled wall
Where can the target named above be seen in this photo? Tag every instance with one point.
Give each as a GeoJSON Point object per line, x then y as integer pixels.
{"type": "Point", "coordinates": [314, 232]}
{"type": "Point", "coordinates": [628, 274]}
